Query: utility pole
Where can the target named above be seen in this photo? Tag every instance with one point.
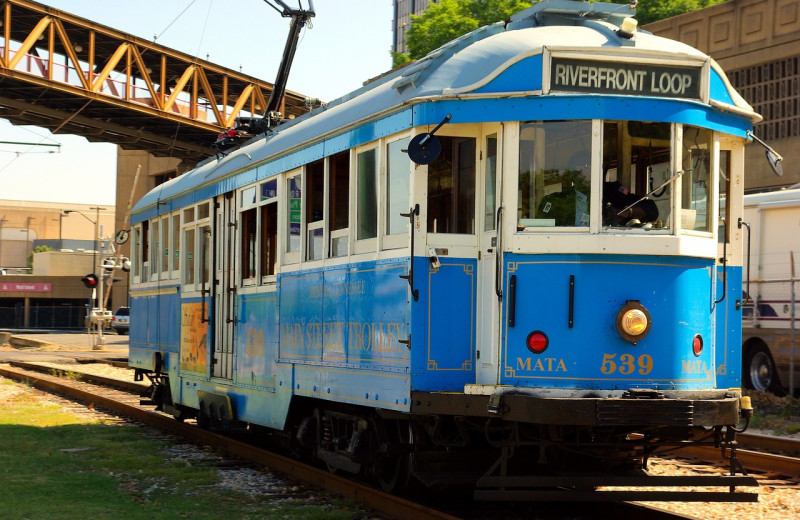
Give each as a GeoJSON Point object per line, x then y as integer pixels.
{"type": "Point", "coordinates": [98, 316]}
{"type": "Point", "coordinates": [4, 219]}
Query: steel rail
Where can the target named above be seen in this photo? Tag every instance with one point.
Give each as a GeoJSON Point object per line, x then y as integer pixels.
{"type": "Point", "coordinates": [752, 460]}
{"type": "Point", "coordinates": [784, 445]}
{"type": "Point", "coordinates": [127, 386]}
{"type": "Point", "coordinates": [371, 498]}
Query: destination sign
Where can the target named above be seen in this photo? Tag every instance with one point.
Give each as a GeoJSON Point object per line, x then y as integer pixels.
{"type": "Point", "coordinates": [629, 79]}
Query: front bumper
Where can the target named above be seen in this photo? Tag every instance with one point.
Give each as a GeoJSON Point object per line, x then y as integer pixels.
{"type": "Point", "coordinates": [688, 408]}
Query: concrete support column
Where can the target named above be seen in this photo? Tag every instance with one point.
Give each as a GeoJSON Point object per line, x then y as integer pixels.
{"type": "Point", "coordinates": [26, 315]}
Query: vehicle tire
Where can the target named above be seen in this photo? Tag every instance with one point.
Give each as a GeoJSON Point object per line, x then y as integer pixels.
{"type": "Point", "coordinates": [758, 372]}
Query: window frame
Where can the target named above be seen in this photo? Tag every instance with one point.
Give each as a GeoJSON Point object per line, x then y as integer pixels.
{"type": "Point", "coordinates": [288, 256]}
{"type": "Point", "coordinates": [401, 239]}
{"type": "Point", "coordinates": [263, 204]}
{"type": "Point", "coordinates": [369, 244]}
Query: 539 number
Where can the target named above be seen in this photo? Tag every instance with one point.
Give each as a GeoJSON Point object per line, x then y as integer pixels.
{"type": "Point", "coordinates": [626, 364]}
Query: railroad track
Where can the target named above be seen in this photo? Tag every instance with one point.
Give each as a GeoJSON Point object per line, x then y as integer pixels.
{"type": "Point", "coordinates": [757, 453]}
{"type": "Point", "coordinates": [122, 397]}
{"type": "Point", "coordinates": [125, 402]}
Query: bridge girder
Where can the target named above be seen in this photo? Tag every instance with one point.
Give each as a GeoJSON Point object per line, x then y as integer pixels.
{"type": "Point", "coordinates": [72, 75]}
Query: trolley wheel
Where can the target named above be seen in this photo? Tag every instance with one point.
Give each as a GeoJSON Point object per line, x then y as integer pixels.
{"type": "Point", "coordinates": [393, 469]}
{"type": "Point", "coordinates": [759, 371]}
{"type": "Point", "coordinates": [394, 472]}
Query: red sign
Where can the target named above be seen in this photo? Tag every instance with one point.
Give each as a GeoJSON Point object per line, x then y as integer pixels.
{"type": "Point", "coordinates": [26, 287]}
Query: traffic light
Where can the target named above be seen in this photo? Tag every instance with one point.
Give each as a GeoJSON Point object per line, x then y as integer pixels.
{"type": "Point", "coordinates": [90, 280]}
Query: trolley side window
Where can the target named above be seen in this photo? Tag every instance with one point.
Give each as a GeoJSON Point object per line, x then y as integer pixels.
{"type": "Point", "coordinates": [196, 250]}
{"type": "Point", "coordinates": [697, 190]}
{"type": "Point", "coordinates": [176, 245]}
{"type": "Point", "coordinates": [145, 252]}
{"type": "Point", "coordinates": [554, 174]}
{"type": "Point", "coordinates": [155, 247]}
{"type": "Point", "coordinates": [189, 254]}
{"type": "Point", "coordinates": [489, 206]}
{"type": "Point", "coordinates": [398, 178]}
{"type": "Point", "coordinates": [248, 226]}
{"type": "Point", "coordinates": [136, 239]}
{"type": "Point", "coordinates": [248, 243]}
{"type": "Point", "coordinates": [339, 203]}
{"type": "Point", "coordinates": [367, 195]}
{"type": "Point", "coordinates": [451, 187]}
{"type": "Point", "coordinates": [315, 209]}
{"type": "Point", "coordinates": [165, 231]}
{"type": "Point", "coordinates": [294, 207]}
{"type": "Point", "coordinates": [724, 193]}
{"type": "Point", "coordinates": [269, 228]}
{"type": "Point", "coordinates": [188, 246]}
{"type": "Point", "coordinates": [139, 252]}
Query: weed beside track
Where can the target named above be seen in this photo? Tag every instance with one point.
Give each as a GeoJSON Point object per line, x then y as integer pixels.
{"type": "Point", "coordinates": [59, 460]}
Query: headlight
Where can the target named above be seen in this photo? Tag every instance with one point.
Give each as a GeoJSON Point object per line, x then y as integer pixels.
{"type": "Point", "coordinates": [633, 321]}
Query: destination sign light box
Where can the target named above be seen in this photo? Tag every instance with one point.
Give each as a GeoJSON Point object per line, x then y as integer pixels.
{"type": "Point", "coordinates": [626, 78]}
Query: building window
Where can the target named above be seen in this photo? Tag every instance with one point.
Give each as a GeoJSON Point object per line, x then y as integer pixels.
{"type": "Point", "coordinates": [772, 88]}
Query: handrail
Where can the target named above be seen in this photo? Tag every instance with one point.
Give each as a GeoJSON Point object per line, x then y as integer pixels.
{"type": "Point", "coordinates": [412, 212]}
{"type": "Point", "coordinates": [204, 290]}
{"type": "Point", "coordinates": [498, 271]}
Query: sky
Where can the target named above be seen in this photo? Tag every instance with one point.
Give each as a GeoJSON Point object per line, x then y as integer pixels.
{"type": "Point", "coordinates": [348, 44]}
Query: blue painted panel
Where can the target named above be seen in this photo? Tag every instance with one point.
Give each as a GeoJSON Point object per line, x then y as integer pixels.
{"type": "Point", "coordinates": [380, 389]}
{"type": "Point", "coordinates": [335, 308]}
{"type": "Point", "coordinates": [519, 77]}
{"type": "Point", "coordinates": [257, 336]}
{"type": "Point", "coordinates": [729, 329]}
{"type": "Point", "coordinates": [535, 108]}
{"type": "Point", "coordinates": [717, 89]}
{"type": "Point", "coordinates": [353, 316]}
{"type": "Point", "coordinates": [591, 354]}
{"type": "Point", "coordinates": [301, 316]}
{"type": "Point", "coordinates": [450, 302]}
{"type": "Point", "coordinates": [378, 315]}
{"type": "Point", "coordinates": [154, 330]}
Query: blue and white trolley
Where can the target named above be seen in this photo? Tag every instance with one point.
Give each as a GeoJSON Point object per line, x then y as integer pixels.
{"type": "Point", "coordinates": [548, 296]}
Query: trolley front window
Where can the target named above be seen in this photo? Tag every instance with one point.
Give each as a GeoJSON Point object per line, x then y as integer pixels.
{"type": "Point", "coordinates": [554, 174]}
{"type": "Point", "coordinates": [637, 174]}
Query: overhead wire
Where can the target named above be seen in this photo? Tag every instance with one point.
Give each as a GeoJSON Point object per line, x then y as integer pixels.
{"type": "Point", "coordinates": [157, 36]}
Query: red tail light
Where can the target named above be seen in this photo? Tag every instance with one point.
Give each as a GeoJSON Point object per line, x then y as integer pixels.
{"type": "Point", "coordinates": [697, 345]}
{"type": "Point", "coordinates": [537, 342]}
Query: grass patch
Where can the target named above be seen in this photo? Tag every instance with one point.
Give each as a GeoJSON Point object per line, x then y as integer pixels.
{"type": "Point", "coordinates": [780, 415]}
{"type": "Point", "coordinates": [57, 465]}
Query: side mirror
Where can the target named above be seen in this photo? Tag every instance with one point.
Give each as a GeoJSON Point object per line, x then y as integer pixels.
{"type": "Point", "coordinates": [775, 161]}
{"type": "Point", "coordinates": [773, 157]}
{"type": "Point", "coordinates": [425, 148]}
